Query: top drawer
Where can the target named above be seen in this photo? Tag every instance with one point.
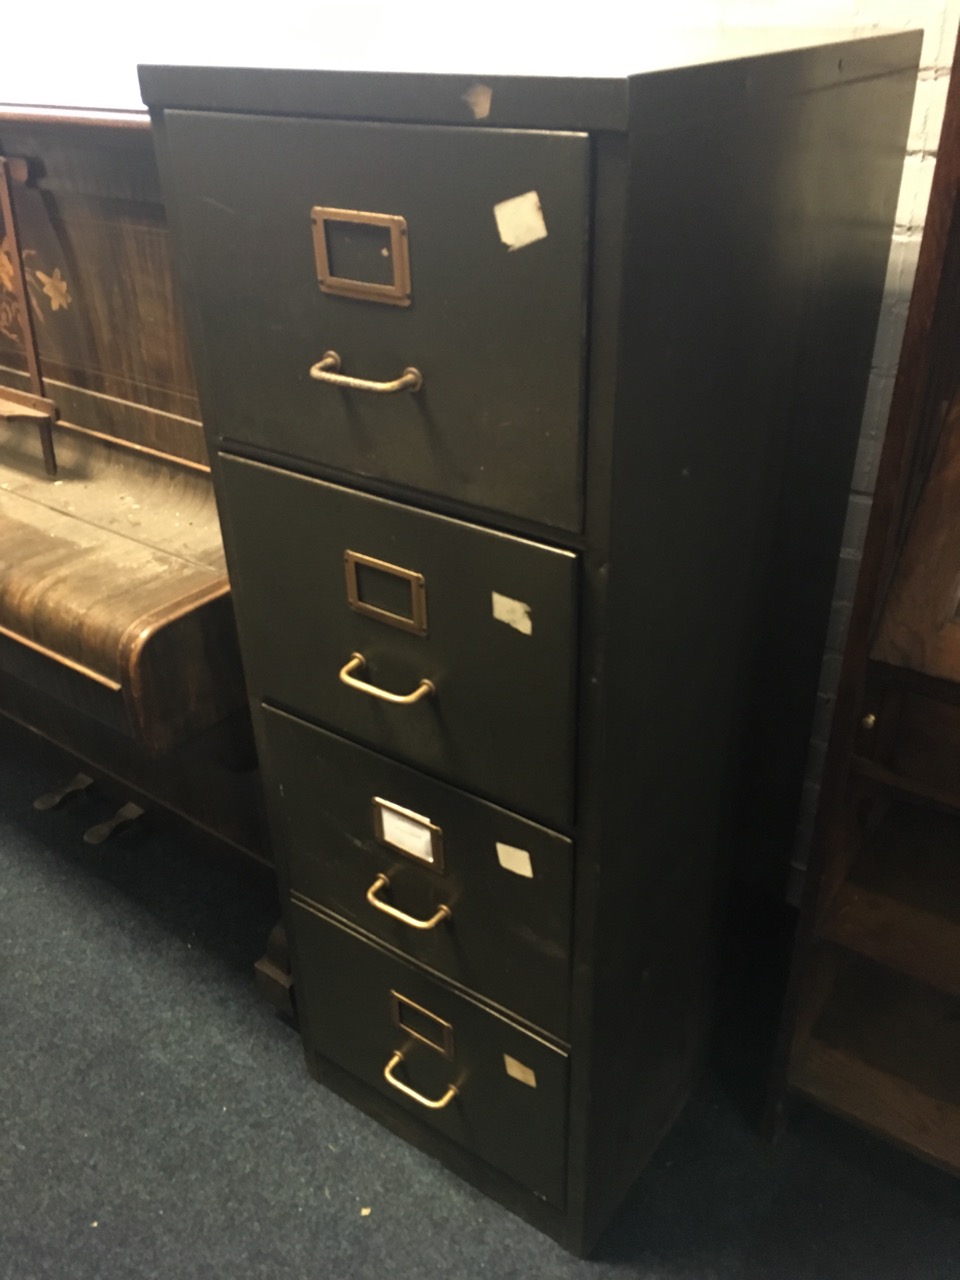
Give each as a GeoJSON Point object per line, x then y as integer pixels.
{"type": "Point", "coordinates": [493, 225]}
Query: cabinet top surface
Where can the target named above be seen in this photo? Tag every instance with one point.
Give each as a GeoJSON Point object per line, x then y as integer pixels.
{"type": "Point", "coordinates": [524, 71]}
{"type": "Point", "coordinates": [578, 81]}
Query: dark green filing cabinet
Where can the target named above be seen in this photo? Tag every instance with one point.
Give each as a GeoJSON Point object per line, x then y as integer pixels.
{"type": "Point", "coordinates": [515, 388]}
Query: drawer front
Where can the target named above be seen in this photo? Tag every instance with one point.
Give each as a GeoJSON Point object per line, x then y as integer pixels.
{"type": "Point", "coordinates": [347, 819]}
{"type": "Point", "coordinates": [497, 332]}
{"type": "Point", "coordinates": [361, 1006]}
{"type": "Point", "coordinates": [486, 618]}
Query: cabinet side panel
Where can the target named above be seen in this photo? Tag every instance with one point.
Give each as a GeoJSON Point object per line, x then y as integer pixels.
{"type": "Point", "coordinates": [760, 206]}
{"type": "Point", "coordinates": [842, 295]}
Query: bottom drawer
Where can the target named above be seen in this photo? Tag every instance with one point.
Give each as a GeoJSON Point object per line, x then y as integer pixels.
{"type": "Point", "coordinates": [476, 1077]}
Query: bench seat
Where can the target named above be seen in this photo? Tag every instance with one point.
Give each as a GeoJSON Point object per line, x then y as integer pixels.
{"type": "Point", "coordinates": [113, 588]}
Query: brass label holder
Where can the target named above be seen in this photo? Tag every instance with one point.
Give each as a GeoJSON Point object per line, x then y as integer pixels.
{"type": "Point", "coordinates": [398, 292]}
{"type": "Point", "coordinates": [420, 1023]}
{"type": "Point", "coordinates": [408, 833]}
{"type": "Point", "coordinates": [417, 620]}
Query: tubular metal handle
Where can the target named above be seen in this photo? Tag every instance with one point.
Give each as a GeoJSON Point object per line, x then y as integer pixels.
{"type": "Point", "coordinates": [382, 882]}
{"type": "Point", "coordinates": [434, 1104]}
{"type": "Point", "coordinates": [357, 663]}
{"type": "Point", "coordinates": [327, 369]}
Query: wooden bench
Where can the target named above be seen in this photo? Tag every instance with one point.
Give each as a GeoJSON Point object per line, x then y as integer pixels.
{"type": "Point", "coordinates": [117, 639]}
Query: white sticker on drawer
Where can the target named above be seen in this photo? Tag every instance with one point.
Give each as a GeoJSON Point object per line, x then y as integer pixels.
{"type": "Point", "coordinates": [526, 1075]}
{"type": "Point", "coordinates": [409, 833]}
{"type": "Point", "coordinates": [515, 860]}
{"type": "Point", "coordinates": [514, 613]}
{"type": "Point", "coordinates": [520, 220]}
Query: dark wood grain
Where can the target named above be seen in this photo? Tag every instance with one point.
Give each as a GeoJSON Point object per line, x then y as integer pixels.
{"type": "Point", "coordinates": [883, 872]}
{"type": "Point", "coordinates": [922, 944]}
{"type": "Point", "coordinates": [14, 266]}
{"type": "Point", "coordinates": [99, 280]}
{"type": "Point", "coordinates": [902, 784]}
{"type": "Point", "coordinates": [78, 117]}
{"type": "Point", "coordinates": [927, 743]}
{"type": "Point", "coordinates": [919, 626]}
{"type": "Point", "coordinates": [117, 639]}
{"type": "Point", "coordinates": [885, 1103]}
{"type": "Point", "coordinates": [117, 572]}
{"type": "Point", "coordinates": [884, 1052]}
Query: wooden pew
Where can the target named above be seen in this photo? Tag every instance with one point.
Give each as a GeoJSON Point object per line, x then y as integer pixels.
{"type": "Point", "coordinates": [117, 639]}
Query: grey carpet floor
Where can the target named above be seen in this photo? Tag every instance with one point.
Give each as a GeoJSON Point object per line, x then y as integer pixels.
{"type": "Point", "coordinates": [156, 1119]}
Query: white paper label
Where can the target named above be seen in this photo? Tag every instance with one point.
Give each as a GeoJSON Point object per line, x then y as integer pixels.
{"type": "Point", "coordinates": [514, 613]}
{"type": "Point", "coordinates": [479, 98]}
{"type": "Point", "coordinates": [526, 1075]}
{"type": "Point", "coordinates": [407, 833]}
{"type": "Point", "coordinates": [520, 220]}
{"type": "Point", "coordinates": [515, 860]}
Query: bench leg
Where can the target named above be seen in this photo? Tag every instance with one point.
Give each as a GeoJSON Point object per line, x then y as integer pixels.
{"type": "Point", "coordinates": [272, 974]}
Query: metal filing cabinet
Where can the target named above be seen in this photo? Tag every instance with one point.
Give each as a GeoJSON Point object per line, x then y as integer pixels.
{"type": "Point", "coordinates": [501, 382]}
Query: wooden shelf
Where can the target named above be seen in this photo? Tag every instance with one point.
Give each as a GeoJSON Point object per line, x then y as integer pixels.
{"type": "Point", "coordinates": [916, 943]}
{"type": "Point", "coordinates": [885, 1052]}
{"type": "Point", "coordinates": [889, 676]}
{"type": "Point", "coordinates": [901, 903]}
{"type": "Point", "coordinates": [915, 789]}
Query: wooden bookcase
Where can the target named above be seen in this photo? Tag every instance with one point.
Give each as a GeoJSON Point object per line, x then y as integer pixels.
{"type": "Point", "coordinates": [872, 1023]}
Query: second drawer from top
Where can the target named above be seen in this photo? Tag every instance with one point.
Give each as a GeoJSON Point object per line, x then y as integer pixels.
{"type": "Point", "coordinates": [439, 643]}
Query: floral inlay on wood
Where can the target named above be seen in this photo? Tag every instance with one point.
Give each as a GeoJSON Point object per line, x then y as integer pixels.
{"type": "Point", "coordinates": [45, 290]}
{"type": "Point", "coordinates": [55, 287]}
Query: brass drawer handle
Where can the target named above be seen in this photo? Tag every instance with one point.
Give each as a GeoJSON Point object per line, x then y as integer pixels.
{"type": "Point", "coordinates": [382, 882]}
{"type": "Point", "coordinates": [357, 663]}
{"type": "Point", "coordinates": [327, 369]}
{"type": "Point", "coordinates": [434, 1104]}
